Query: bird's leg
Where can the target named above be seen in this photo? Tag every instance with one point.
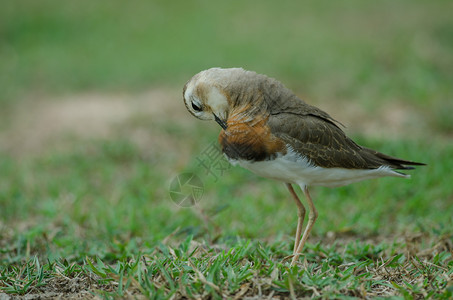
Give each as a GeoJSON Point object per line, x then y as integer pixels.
{"type": "Point", "coordinates": [300, 214]}
{"type": "Point", "coordinates": [312, 216]}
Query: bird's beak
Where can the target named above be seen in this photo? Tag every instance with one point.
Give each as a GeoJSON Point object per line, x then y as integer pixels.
{"type": "Point", "coordinates": [221, 122]}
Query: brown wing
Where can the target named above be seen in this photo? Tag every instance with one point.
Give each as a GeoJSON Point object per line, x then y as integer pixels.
{"type": "Point", "coordinates": [325, 144]}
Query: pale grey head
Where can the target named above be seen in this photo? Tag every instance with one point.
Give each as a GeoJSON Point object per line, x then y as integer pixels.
{"type": "Point", "coordinates": [211, 94]}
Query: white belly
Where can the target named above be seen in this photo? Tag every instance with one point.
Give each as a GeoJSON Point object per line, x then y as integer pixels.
{"type": "Point", "coordinates": [293, 168]}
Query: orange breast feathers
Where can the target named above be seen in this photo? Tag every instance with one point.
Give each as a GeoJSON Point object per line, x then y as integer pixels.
{"type": "Point", "coordinates": [249, 138]}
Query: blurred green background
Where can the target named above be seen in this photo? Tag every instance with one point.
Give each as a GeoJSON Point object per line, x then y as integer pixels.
{"type": "Point", "coordinates": [93, 127]}
{"type": "Point", "coordinates": [398, 50]}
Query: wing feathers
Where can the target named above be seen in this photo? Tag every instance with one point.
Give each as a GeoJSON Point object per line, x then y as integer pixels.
{"type": "Point", "coordinates": [326, 145]}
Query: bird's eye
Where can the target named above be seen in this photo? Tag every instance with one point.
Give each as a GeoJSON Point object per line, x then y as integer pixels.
{"type": "Point", "coordinates": [196, 107]}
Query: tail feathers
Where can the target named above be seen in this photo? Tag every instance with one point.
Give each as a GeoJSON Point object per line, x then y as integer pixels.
{"type": "Point", "coordinates": [400, 164]}
{"type": "Point", "coordinates": [394, 162]}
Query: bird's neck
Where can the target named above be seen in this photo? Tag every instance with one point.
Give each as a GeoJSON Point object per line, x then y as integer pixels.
{"type": "Point", "coordinates": [248, 114]}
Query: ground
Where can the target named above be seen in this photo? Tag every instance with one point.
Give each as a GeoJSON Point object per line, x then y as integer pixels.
{"type": "Point", "coordinates": [415, 262]}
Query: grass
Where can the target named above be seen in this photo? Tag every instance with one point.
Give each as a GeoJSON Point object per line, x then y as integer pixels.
{"type": "Point", "coordinates": [99, 219]}
{"type": "Point", "coordinates": [87, 213]}
{"type": "Point", "coordinates": [193, 270]}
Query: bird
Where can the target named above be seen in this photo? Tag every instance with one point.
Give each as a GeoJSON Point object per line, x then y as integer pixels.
{"type": "Point", "coordinates": [268, 130]}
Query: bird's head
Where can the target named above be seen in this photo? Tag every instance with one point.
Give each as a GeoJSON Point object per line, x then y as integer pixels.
{"type": "Point", "coordinates": [205, 96]}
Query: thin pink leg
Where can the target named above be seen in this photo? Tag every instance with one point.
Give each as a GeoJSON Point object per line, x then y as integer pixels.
{"type": "Point", "coordinates": [300, 214]}
{"type": "Point", "coordinates": [312, 216]}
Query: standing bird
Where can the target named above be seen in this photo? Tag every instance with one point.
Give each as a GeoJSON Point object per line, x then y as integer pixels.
{"type": "Point", "coordinates": [268, 130]}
